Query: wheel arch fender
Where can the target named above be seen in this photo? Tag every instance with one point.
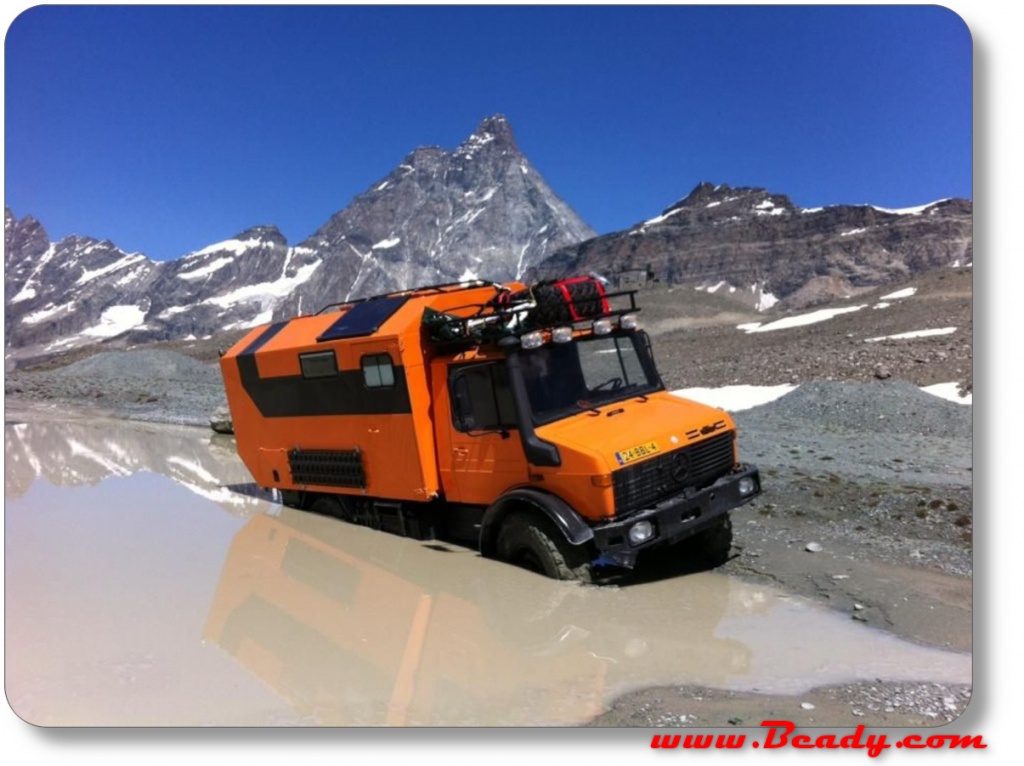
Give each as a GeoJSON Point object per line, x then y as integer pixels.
{"type": "Point", "coordinates": [572, 526]}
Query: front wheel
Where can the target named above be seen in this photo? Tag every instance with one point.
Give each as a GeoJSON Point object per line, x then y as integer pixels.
{"type": "Point", "coordinates": [712, 546]}
{"type": "Point", "coordinates": [532, 542]}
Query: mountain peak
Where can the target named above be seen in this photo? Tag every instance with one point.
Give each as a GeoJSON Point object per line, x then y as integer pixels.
{"type": "Point", "coordinates": [706, 191]}
{"type": "Point", "coordinates": [269, 234]}
{"type": "Point", "coordinates": [493, 131]}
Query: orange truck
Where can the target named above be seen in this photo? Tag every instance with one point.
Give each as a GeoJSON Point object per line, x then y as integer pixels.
{"type": "Point", "coordinates": [530, 422]}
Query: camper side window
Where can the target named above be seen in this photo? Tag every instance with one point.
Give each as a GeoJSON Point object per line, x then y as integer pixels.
{"type": "Point", "coordinates": [319, 364]}
{"type": "Point", "coordinates": [378, 371]}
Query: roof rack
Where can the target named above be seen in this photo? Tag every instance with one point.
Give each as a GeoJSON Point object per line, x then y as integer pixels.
{"type": "Point", "coordinates": [515, 314]}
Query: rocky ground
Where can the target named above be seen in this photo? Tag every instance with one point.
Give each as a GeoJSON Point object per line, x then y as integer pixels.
{"type": "Point", "coordinates": [868, 486]}
{"type": "Point", "coordinates": [711, 352]}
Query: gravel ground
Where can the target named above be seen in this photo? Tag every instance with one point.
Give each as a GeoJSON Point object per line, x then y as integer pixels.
{"type": "Point", "coordinates": [871, 704]}
{"type": "Point", "coordinates": [882, 466]}
{"type": "Point", "coordinates": [153, 385]}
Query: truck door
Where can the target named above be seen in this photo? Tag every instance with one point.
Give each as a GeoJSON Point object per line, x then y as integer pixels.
{"type": "Point", "coordinates": [480, 452]}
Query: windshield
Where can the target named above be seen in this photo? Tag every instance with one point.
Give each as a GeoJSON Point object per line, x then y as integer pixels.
{"type": "Point", "coordinates": [563, 378]}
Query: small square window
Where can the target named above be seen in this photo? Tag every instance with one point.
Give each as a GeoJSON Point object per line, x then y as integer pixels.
{"type": "Point", "coordinates": [320, 364]}
{"type": "Point", "coordinates": [378, 372]}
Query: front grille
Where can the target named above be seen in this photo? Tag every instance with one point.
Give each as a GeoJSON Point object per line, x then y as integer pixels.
{"type": "Point", "coordinates": [644, 484]}
{"type": "Point", "coordinates": [327, 468]}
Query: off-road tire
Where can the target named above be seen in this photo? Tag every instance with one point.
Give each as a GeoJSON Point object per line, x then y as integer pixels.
{"type": "Point", "coordinates": [532, 542]}
{"type": "Point", "coordinates": [325, 505]}
{"type": "Point", "coordinates": [712, 546]}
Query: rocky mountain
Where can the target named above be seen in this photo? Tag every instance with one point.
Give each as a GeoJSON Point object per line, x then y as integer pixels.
{"type": "Point", "coordinates": [480, 210]}
{"type": "Point", "coordinates": [766, 250]}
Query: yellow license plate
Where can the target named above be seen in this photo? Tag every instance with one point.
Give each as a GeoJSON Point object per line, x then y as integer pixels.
{"type": "Point", "coordinates": [636, 453]}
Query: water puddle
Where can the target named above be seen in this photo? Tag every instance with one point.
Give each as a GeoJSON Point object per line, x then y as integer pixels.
{"type": "Point", "coordinates": [142, 591]}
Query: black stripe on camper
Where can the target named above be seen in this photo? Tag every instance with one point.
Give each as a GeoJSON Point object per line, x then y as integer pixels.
{"type": "Point", "coordinates": [295, 396]}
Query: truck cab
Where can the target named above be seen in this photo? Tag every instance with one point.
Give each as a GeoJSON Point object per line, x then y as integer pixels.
{"type": "Point", "coordinates": [530, 422]}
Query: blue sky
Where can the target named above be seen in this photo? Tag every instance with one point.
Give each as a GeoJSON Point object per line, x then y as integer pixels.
{"type": "Point", "coordinates": [165, 129]}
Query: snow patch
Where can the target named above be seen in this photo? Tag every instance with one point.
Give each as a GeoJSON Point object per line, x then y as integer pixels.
{"type": "Point", "coordinates": [948, 391]}
{"type": "Point", "coordinates": [851, 232]}
{"type": "Point", "coordinates": [904, 293]}
{"type": "Point", "coordinates": [908, 210]}
{"type": "Point", "coordinates": [169, 312]}
{"type": "Point", "coordinates": [43, 314]}
{"type": "Point", "coordinates": [209, 268]}
{"type": "Point", "coordinates": [236, 246]}
{"type": "Point", "coordinates": [734, 398]}
{"type": "Point", "coordinates": [116, 320]}
{"type": "Point", "coordinates": [766, 301]}
{"type": "Point", "coordinates": [386, 244]}
{"type": "Point", "coordinates": [27, 293]}
{"type": "Point", "coordinates": [468, 218]}
{"type": "Point", "coordinates": [660, 218]}
{"type": "Point", "coordinates": [914, 334]}
{"type": "Point", "coordinates": [128, 260]}
{"type": "Point", "coordinates": [267, 293]}
{"type": "Point", "coordinates": [767, 207]}
{"type": "Point", "coordinates": [713, 288]}
{"type": "Point", "coordinates": [797, 321]}
{"type": "Point", "coordinates": [743, 397]}
{"type": "Point", "coordinates": [131, 276]}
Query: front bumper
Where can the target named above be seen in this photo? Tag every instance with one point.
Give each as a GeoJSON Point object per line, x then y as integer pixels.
{"type": "Point", "coordinates": [675, 518]}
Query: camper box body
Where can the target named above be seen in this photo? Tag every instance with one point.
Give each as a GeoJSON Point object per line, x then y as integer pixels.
{"type": "Point", "coordinates": [342, 404]}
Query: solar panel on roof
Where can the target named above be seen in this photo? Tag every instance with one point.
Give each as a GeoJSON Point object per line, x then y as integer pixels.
{"type": "Point", "coordinates": [364, 318]}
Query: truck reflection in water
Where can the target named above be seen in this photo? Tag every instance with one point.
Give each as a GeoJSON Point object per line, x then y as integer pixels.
{"type": "Point", "coordinates": [358, 628]}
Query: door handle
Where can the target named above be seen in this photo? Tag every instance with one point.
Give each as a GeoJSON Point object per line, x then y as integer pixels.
{"type": "Point", "coordinates": [461, 451]}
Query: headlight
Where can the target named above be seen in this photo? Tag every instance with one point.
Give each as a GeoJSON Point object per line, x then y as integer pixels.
{"type": "Point", "coordinates": [602, 326]}
{"type": "Point", "coordinates": [641, 532]}
{"type": "Point", "coordinates": [746, 486]}
{"type": "Point", "coordinates": [629, 322]}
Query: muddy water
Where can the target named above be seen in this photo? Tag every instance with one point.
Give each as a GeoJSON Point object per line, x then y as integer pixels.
{"type": "Point", "coordinates": [141, 589]}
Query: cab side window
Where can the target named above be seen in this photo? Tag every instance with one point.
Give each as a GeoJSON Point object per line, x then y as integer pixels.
{"type": "Point", "coordinates": [378, 371]}
{"type": "Point", "coordinates": [481, 398]}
